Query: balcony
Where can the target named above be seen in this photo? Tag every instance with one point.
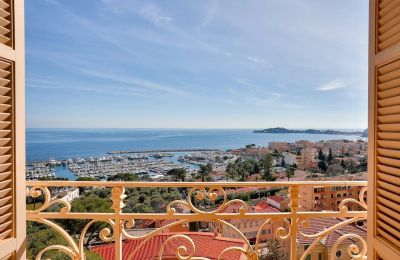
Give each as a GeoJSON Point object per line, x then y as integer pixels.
{"type": "Point", "coordinates": [301, 233]}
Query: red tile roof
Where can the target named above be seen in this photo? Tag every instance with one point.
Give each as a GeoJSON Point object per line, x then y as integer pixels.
{"type": "Point", "coordinates": [319, 224]}
{"type": "Point", "coordinates": [207, 245]}
{"type": "Point", "coordinates": [276, 198]}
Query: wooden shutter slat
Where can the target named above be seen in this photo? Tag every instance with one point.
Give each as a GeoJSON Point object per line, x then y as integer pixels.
{"type": "Point", "coordinates": [4, 5]}
{"type": "Point", "coordinates": [384, 127]}
{"type": "Point", "coordinates": [384, 10]}
{"type": "Point", "coordinates": [393, 189]}
{"type": "Point", "coordinates": [5, 200]}
{"type": "Point", "coordinates": [387, 102]}
{"type": "Point", "coordinates": [389, 153]}
{"type": "Point", "coordinates": [4, 65]}
{"type": "Point", "coordinates": [389, 161]}
{"type": "Point", "coordinates": [5, 150]}
{"type": "Point", "coordinates": [389, 93]}
{"type": "Point", "coordinates": [4, 217]}
{"type": "Point", "coordinates": [390, 15]}
{"type": "Point", "coordinates": [388, 68]}
{"type": "Point", "coordinates": [5, 209]}
{"type": "Point", "coordinates": [388, 136]}
{"type": "Point", "coordinates": [389, 110]}
{"type": "Point", "coordinates": [388, 211]}
{"type": "Point", "coordinates": [4, 192]}
{"type": "Point", "coordinates": [388, 237]}
{"type": "Point", "coordinates": [4, 73]}
{"type": "Point", "coordinates": [385, 3]}
{"type": "Point", "coordinates": [389, 84]}
{"type": "Point", "coordinates": [4, 82]}
{"type": "Point", "coordinates": [391, 75]}
{"type": "Point", "coordinates": [4, 39]}
{"type": "Point", "coordinates": [4, 14]}
{"type": "Point", "coordinates": [388, 169]}
{"type": "Point", "coordinates": [4, 133]}
{"type": "Point", "coordinates": [389, 24]}
{"type": "Point", "coordinates": [389, 119]}
{"type": "Point", "coordinates": [389, 228]}
{"type": "Point", "coordinates": [389, 33]}
{"type": "Point", "coordinates": [389, 221]}
{"type": "Point", "coordinates": [5, 175]}
{"type": "Point", "coordinates": [5, 234]}
{"type": "Point", "coordinates": [5, 142]}
{"type": "Point", "coordinates": [388, 178]}
{"type": "Point", "coordinates": [4, 184]}
{"type": "Point", "coordinates": [387, 200]}
{"type": "Point", "coordinates": [4, 99]}
{"type": "Point", "coordinates": [4, 90]}
{"type": "Point", "coordinates": [389, 144]}
{"type": "Point", "coordinates": [4, 30]}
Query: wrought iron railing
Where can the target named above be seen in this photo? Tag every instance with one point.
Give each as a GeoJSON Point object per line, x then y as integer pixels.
{"type": "Point", "coordinates": [290, 230]}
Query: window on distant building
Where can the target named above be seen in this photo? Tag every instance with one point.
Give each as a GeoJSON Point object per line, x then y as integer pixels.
{"type": "Point", "coordinates": [320, 256]}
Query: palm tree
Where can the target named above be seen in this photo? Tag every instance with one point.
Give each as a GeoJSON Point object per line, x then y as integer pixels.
{"type": "Point", "coordinates": [205, 171]}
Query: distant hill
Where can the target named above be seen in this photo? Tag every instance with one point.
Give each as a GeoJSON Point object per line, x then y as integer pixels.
{"type": "Point", "coordinates": [281, 130]}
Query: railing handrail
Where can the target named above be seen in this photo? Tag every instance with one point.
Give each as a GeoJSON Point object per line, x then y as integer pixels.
{"type": "Point", "coordinates": [129, 184]}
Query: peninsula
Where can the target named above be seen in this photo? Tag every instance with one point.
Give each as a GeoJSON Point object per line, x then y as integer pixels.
{"type": "Point", "coordinates": [281, 130]}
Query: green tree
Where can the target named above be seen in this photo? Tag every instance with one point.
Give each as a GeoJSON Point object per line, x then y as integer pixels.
{"type": "Point", "coordinates": [274, 250]}
{"type": "Point", "coordinates": [123, 177]}
{"type": "Point", "coordinates": [290, 172]}
{"type": "Point", "coordinates": [231, 172]}
{"type": "Point", "coordinates": [330, 156]}
{"type": "Point", "coordinates": [321, 155]}
{"type": "Point", "coordinates": [204, 171]}
{"type": "Point", "coordinates": [177, 174]}
{"type": "Point", "coordinates": [266, 164]}
{"type": "Point", "coordinates": [83, 189]}
{"type": "Point", "coordinates": [283, 163]}
{"type": "Point", "coordinates": [322, 165]}
{"type": "Point", "coordinates": [256, 167]}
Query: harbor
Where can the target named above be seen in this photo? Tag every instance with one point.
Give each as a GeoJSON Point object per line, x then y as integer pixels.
{"type": "Point", "coordinates": [151, 165]}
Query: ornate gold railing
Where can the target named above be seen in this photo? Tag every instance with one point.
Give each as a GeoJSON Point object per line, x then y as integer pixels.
{"type": "Point", "coordinates": [292, 222]}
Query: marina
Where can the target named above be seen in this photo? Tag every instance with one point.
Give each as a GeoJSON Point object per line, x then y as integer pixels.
{"type": "Point", "coordinates": [153, 165]}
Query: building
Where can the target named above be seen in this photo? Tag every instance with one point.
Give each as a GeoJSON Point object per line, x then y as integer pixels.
{"type": "Point", "coordinates": [327, 198]}
{"type": "Point", "coordinates": [249, 227]}
{"type": "Point", "coordinates": [279, 202]}
{"type": "Point", "coordinates": [207, 245]}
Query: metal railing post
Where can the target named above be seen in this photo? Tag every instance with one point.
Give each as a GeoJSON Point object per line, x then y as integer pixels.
{"type": "Point", "coordinates": [118, 195]}
{"type": "Point", "coordinates": [294, 206]}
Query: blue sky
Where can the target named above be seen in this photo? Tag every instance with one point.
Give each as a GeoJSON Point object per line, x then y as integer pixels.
{"type": "Point", "coordinates": [196, 64]}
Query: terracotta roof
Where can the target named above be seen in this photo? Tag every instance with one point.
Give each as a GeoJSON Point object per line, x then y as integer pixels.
{"type": "Point", "coordinates": [319, 224]}
{"type": "Point", "coordinates": [276, 198]}
{"type": "Point", "coordinates": [207, 245]}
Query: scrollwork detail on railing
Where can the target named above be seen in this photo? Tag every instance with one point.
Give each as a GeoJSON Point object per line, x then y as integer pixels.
{"type": "Point", "coordinates": [361, 201]}
{"type": "Point", "coordinates": [202, 193]}
{"type": "Point", "coordinates": [320, 235]}
{"type": "Point", "coordinates": [353, 250]}
{"type": "Point", "coordinates": [105, 233]}
{"type": "Point", "coordinates": [71, 250]}
{"type": "Point", "coordinates": [36, 191]}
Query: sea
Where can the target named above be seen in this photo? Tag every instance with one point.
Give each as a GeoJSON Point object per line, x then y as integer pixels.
{"type": "Point", "coordinates": [44, 144]}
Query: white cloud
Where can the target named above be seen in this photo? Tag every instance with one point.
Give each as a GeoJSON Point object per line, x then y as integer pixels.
{"type": "Point", "coordinates": [332, 85]}
{"type": "Point", "coordinates": [154, 14]}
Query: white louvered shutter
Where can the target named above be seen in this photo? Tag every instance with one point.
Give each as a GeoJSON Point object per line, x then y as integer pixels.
{"type": "Point", "coordinates": [12, 130]}
{"type": "Point", "coordinates": [384, 131]}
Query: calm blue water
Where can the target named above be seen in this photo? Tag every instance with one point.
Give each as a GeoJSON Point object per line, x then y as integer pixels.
{"type": "Point", "coordinates": [43, 144]}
